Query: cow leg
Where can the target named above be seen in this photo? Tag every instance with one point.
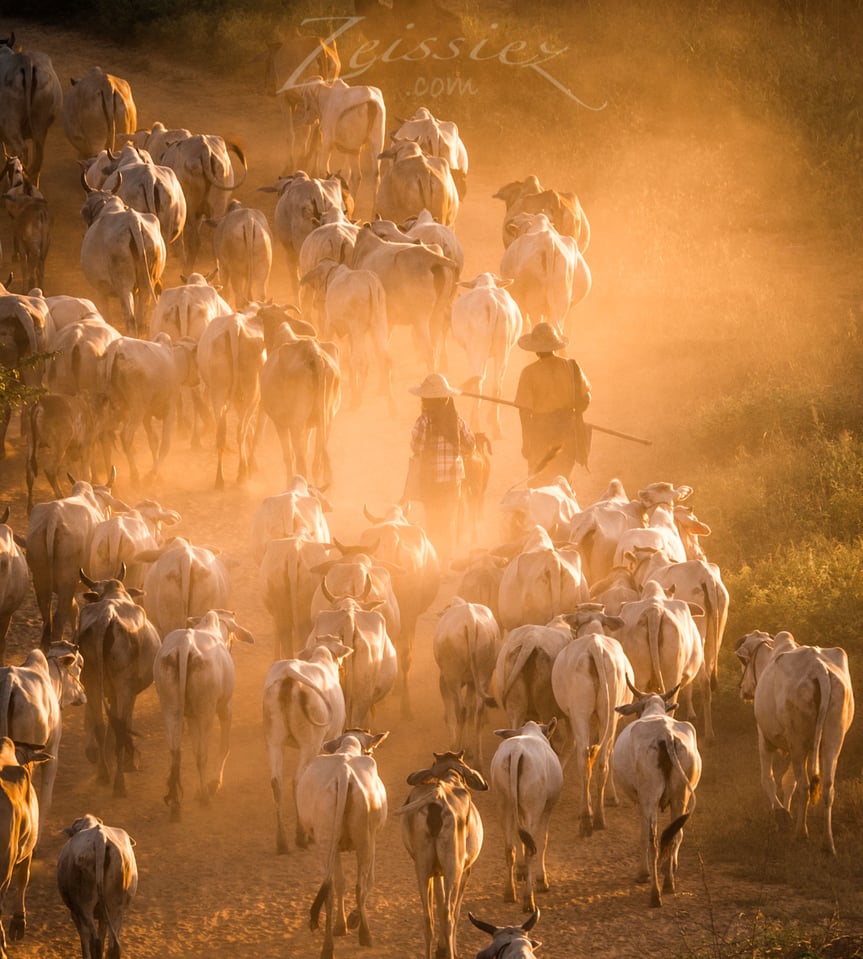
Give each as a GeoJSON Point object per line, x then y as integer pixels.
{"type": "Point", "coordinates": [5, 416]}
{"type": "Point", "coordinates": [175, 788]}
{"type": "Point", "coordinates": [91, 942]}
{"type": "Point", "coordinates": [801, 792]}
{"type": "Point", "coordinates": [127, 437]}
{"type": "Point", "coordinates": [768, 758]}
{"type": "Point", "coordinates": [221, 442]}
{"type": "Point", "coordinates": [20, 877]}
{"type": "Point", "coordinates": [528, 903]}
{"type": "Point", "coordinates": [651, 855]}
{"type": "Point", "coordinates": [339, 920]}
{"type": "Point", "coordinates": [602, 782]}
{"type": "Point", "coordinates": [543, 883]}
{"type": "Point", "coordinates": [427, 887]}
{"type": "Point", "coordinates": [365, 878]}
{"type": "Point", "coordinates": [509, 890]}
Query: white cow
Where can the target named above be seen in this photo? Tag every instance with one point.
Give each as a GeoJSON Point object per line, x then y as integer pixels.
{"type": "Point", "coordinates": [371, 672]}
{"type": "Point", "coordinates": [299, 508]}
{"type": "Point", "coordinates": [540, 582]}
{"type": "Point", "coordinates": [194, 677]}
{"type": "Point", "coordinates": [438, 138]}
{"type": "Point", "coordinates": [144, 379]}
{"type": "Point", "coordinates": [118, 540]}
{"type": "Point", "coordinates": [589, 679]}
{"type": "Point", "coordinates": [352, 129]}
{"type": "Point", "coordinates": [97, 877]}
{"type": "Point", "coordinates": [243, 246]}
{"type": "Point", "coordinates": [804, 705]}
{"type": "Point", "coordinates": [32, 698]}
{"type": "Point", "coordinates": [183, 581]}
{"type": "Point", "coordinates": [527, 777]}
{"type": "Point", "coordinates": [486, 322]}
{"type": "Point", "coordinates": [342, 805]}
{"type": "Point", "coordinates": [553, 507]}
{"type": "Point", "coordinates": [661, 640]}
{"type": "Point", "coordinates": [58, 545]}
{"type": "Point", "coordinates": [550, 275]}
{"type": "Point", "coordinates": [303, 707]}
{"type": "Point", "coordinates": [522, 674]}
{"type": "Point", "coordinates": [657, 765]}
{"type": "Point", "coordinates": [466, 645]}
{"type": "Point", "coordinates": [288, 578]}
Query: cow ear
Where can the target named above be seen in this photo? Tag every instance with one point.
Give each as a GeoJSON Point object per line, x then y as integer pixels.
{"type": "Point", "coordinates": [420, 776]}
{"type": "Point", "coordinates": [134, 592]}
{"type": "Point", "coordinates": [670, 707]}
{"type": "Point", "coordinates": [612, 622]}
{"type": "Point", "coordinates": [550, 727]}
{"type": "Point", "coordinates": [91, 597]}
{"type": "Point", "coordinates": [506, 733]}
{"type": "Point", "coordinates": [695, 609]}
{"type": "Point", "coordinates": [377, 740]}
{"type": "Point", "coordinates": [628, 709]}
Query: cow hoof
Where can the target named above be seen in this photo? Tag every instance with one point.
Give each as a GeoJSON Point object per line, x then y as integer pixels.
{"type": "Point", "coordinates": [586, 827]}
{"type": "Point", "coordinates": [510, 896]}
{"type": "Point", "coordinates": [119, 791]}
{"type": "Point", "coordinates": [340, 928]}
{"type": "Point", "coordinates": [528, 906]}
{"type": "Point", "coordinates": [668, 885]}
{"type": "Point", "coordinates": [521, 873]}
{"type": "Point", "coordinates": [17, 927]}
{"type": "Point", "coordinates": [175, 814]}
{"type": "Point", "coordinates": [655, 899]}
{"type": "Point", "coordinates": [353, 919]}
{"type": "Point", "coordinates": [282, 848]}
{"type": "Point", "coordinates": [302, 840]}
{"type": "Point", "coordinates": [214, 787]}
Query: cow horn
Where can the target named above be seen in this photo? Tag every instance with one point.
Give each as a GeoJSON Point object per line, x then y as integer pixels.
{"type": "Point", "coordinates": [531, 920]}
{"type": "Point", "coordinates": [667, 696]}
{"type": "Point", "coordinates": [121, 575]}
{"type": "Point", "coordinates": [366, 589]}
{"type": "Point", "coordinates": [374, 520]}
{"type": "Point", "coordinates": [85, 579]}
{"type": "Point", "coordinates": [635, 692]}
{"type": "Point", "coordinates": [5, 516]}
{"type": "Point", "coordinates": [112, 477]}
{"type": "Point", "coordinates": [325, 590]}
{"type": "Point", "coordinates": [481, 924]}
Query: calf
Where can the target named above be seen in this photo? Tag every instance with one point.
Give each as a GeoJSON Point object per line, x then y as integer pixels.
{"type": "Point", "coordinates": [589, 679]}
{"type": "Point", "coordinates": [442, 831]}
{"type": "Point", "coordinates": [466, 644]}
{"type": "Point", "coordinates": [527, 777]}
{"type": "Point", "coordinates": [194, 676]}
{"type": "Point", "coordinates": [97, 877]}
{"type": "Point", "coordinates": [32, 697]}
{"type": "Point", "coordinates": [19, 824]}
{"type": "Point", "coordinates": [342, 805]}
{"type": "Point", "coordinates": [804, 704]}
{"type": "Point", "coordinates": [657, 764]}
{"type": "Point", "coordinates": [303, 706]}
{"type": "Point", "coordinates": [119, 646]}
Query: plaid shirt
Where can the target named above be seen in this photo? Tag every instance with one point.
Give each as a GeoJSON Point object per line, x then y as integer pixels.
{"type": "Point", "coordinates": [446, 458]}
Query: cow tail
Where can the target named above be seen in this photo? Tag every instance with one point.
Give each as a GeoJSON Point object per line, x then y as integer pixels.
{"type": "Point", "coordinates": [343, 784]}
{"type": "Point", "coordinates": [514, 778]}
{"type": "Point", "coordinates": [669, 744]}
{"type": "Point", "coordinates": [607, 708]}
{"type": "Point", "coordinates": [292, 581]}
{"type": "Point", "coordinates": [654, 629]}
{"type": "Point", "coordinates": [525, 651]}
{"type": "Point", "coordinates": [480, 680]}
{"type": "Point", "coordinates": [823, 681]}
{"type": "Point", "coordinates": [142, 252]}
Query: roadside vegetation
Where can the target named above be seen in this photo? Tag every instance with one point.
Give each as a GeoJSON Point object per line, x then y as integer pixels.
{"type": "Point", "coordinates": [771, 408]}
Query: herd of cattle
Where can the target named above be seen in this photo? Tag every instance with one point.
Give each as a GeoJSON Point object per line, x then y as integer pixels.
{"type": "Point", "coordinates": [584, 618]}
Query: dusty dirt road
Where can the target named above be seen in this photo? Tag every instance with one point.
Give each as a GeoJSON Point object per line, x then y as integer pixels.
{"type": "Point", "coordinates": [211, 887]}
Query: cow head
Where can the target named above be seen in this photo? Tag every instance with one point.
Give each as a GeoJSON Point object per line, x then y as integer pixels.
{"type": "Point", "coordinates": [65, 664]}
{"type": "Point", "coordinates": [504, 936]}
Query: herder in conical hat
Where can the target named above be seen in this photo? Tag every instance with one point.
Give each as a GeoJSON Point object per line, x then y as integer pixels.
{"type": "Point", "coordinates": [440, 439]}
{"type": "Point", "coordinates": [552, 394]}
